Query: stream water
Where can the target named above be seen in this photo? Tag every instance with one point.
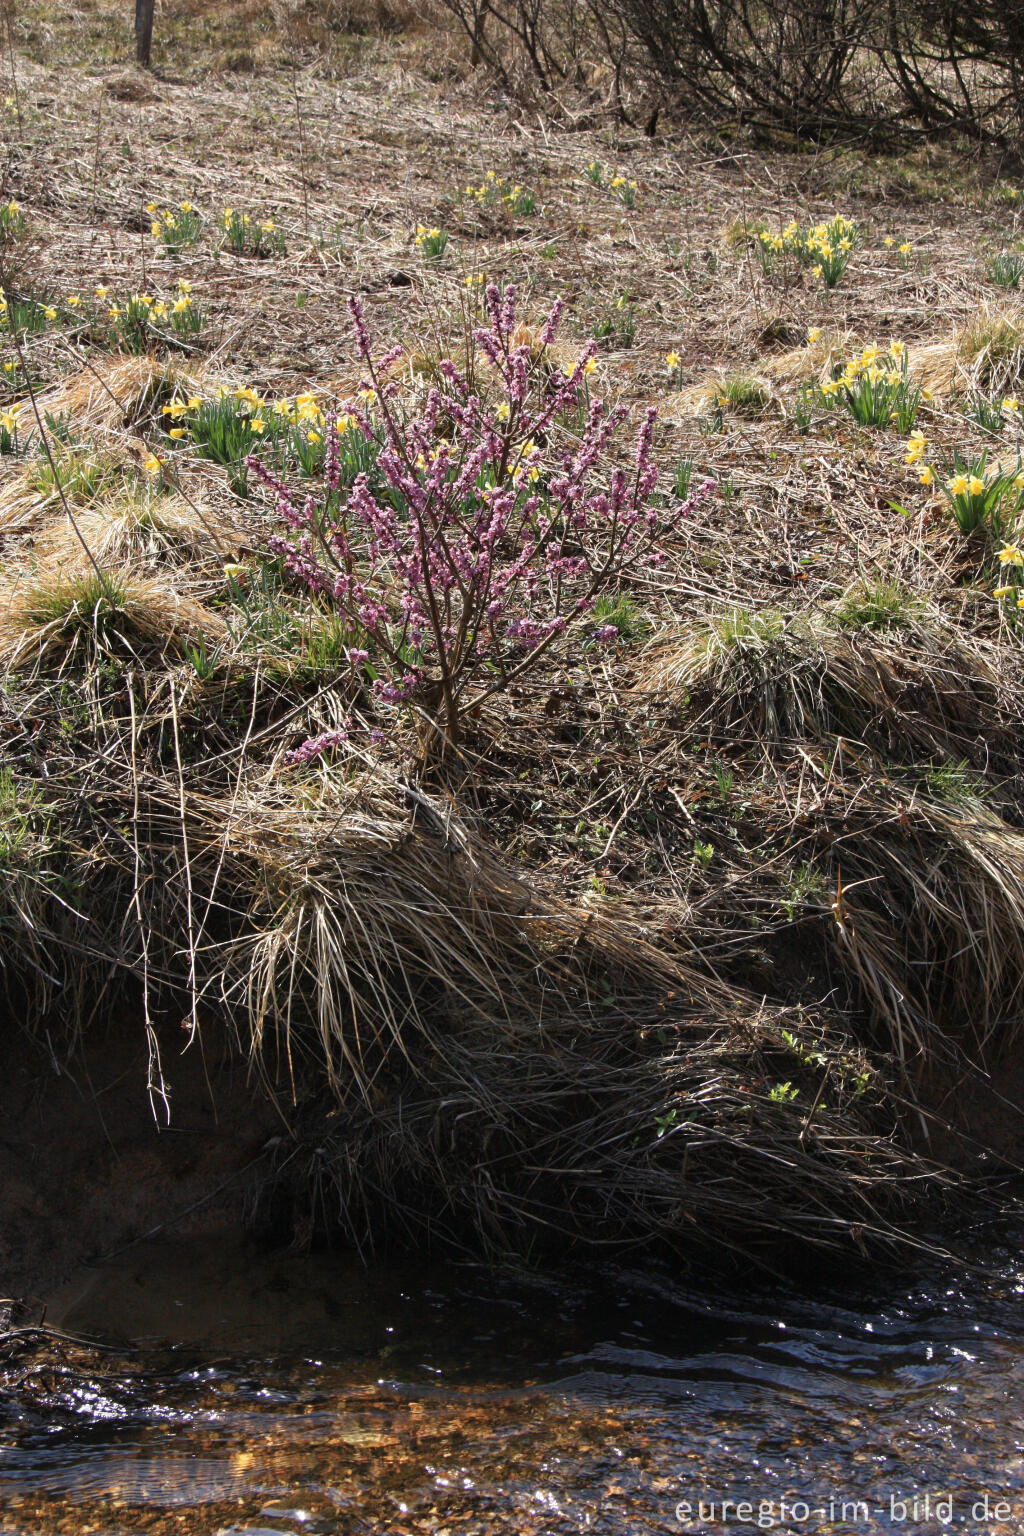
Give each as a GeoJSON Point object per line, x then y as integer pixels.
{"type": "Point", "coordinates": [264, 1395]}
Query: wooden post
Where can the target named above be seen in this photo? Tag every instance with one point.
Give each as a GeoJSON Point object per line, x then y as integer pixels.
{"type": "Point", "coordinates": [143, 31]}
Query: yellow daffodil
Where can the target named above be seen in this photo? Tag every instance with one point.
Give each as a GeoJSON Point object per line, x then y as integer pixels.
{"type": "Point", "coordinates": [49, 312]}
{"type": "Point", "coordinates": [1011, 555]}
{"type": "Point", "coordinates": [1004, 592]}
{"type": "Point", "coordinates": [153, 464]}
{"type": "Point", "coordinates": [814, 334]}
{"type": "Point", "coordinates": [906, 248]}
{"type": "Point", "coordinates": [976, 486]}
{"type": "Point", "coordinates": [916, 445]}
{"type": "Point", "coordinates": [927, 475]}
{"type": "Point", "coordinates": [101, 291]}
{"type": "Point", "coordinates": [958, 486]}
{"type": "Point", "coordinates": [177, 432]}
{"type": "Point", "coordinates": [672, 360]}
{"type": "Point", "coordinates": [1012, 404]}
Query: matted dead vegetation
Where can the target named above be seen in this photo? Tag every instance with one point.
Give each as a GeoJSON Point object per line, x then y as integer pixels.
{"type": "Point", "coordinates": [686, 948]}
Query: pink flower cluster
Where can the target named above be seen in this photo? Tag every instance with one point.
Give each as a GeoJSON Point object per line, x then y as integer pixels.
{"type": "Point", "coordinates": [316, 746]}
{"type": "Point", "coordinates": [476, 541]}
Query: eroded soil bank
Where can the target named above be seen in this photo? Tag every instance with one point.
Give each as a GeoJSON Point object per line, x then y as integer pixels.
{"type": "Point", "coordinates": [86, 1166]}
{"type": "Point", "coordinates": [90, 1163]}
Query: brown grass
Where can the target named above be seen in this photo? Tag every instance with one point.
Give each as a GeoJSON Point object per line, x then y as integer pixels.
{"type": "Point", "coordinates": [548, 996]}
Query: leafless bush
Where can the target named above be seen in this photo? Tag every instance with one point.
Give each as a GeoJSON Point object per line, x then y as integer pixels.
{"type": "Point", "coordinates": [807, 66]}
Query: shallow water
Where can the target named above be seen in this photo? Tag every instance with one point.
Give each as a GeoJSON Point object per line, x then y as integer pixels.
{"type": "Point", "coordinates": [307, 1395]}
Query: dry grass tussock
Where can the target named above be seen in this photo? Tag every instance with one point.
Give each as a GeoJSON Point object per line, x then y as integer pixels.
{"type": "Point", "coordinates": [768, 679]}
{"type": "Point", "coordinates": [55, 615]}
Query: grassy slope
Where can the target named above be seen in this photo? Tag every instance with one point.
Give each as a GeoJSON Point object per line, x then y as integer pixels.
{"type": "Point", "coordinates": [700, 919]}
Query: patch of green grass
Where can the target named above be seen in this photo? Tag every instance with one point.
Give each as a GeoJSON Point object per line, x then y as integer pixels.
{"type": "Point", "coordinates": [620, 610]}
{"type": "Point", "coordinates": [880, 606]}
{"type": "Point", "coordinates": [80, 472]}
{"type": "Point", "coordinates": [954, 783]}
{"type": "Point", "coordinates": [20, 805]}
{"type": "Point", "coordinates": [742, 394]}
{"type": "Point", "coordinates": [87, 602]}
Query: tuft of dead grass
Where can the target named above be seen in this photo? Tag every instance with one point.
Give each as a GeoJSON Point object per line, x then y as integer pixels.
{"type": "Point", "coordinates": [774, 679]}
{"type": "Point", "coordinates": [50, 618]}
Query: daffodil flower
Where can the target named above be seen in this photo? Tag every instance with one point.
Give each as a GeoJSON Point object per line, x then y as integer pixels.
{"type": "Point", "coordinates": [916, 445]}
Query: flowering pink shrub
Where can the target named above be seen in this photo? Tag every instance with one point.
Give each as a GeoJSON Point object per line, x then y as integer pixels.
{"type": "Point", "coordinates": [473, 543]}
